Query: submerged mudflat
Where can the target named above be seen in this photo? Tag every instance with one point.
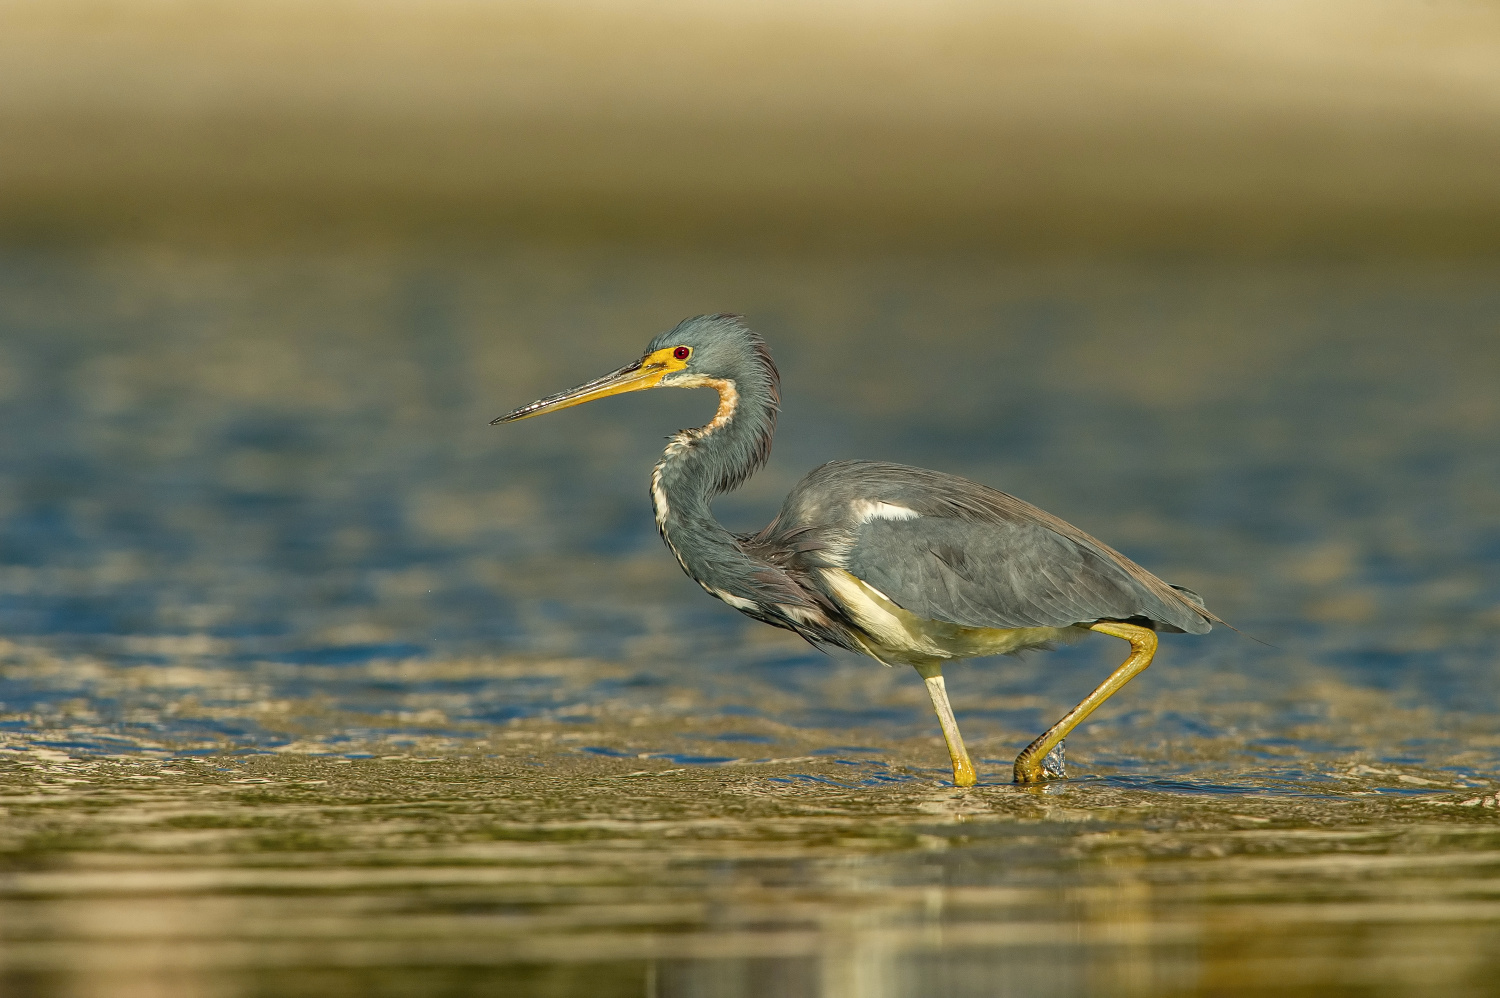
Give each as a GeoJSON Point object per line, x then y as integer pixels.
{"type": "Point", "coordinates": [839, 872]}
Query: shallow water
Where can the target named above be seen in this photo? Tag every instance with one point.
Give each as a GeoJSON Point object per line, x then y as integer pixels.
{"type": "Point", "coordinates": [314, 682]}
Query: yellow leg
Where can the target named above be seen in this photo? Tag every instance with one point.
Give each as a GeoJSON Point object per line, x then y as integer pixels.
{"type": "Point", "coordinates": [1142, 647]}
{"type": "Point", "coordinates": [963, 769]}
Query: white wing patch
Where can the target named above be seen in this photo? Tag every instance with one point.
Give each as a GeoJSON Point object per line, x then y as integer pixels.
{"type": "Point", "coordinates": [738, 602]}
{"type": "Point", "coordinates": [866, 511]}
{"type": "Point", "coordinates": [801, 614]}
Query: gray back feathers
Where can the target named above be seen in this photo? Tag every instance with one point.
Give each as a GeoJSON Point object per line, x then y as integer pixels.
{"type": "Point", "coordinates": [948, 549]}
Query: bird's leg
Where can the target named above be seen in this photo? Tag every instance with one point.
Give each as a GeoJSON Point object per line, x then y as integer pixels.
{"type": "Point", "coordinates": [1142, 647]}
{"type": "Point", "coordinates": [963, 769]}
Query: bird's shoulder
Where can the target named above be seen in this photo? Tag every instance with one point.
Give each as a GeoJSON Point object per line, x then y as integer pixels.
{"type": "Point", "coordinates": [847, 494]}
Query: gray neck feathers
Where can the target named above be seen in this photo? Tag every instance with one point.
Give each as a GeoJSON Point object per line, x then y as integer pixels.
{"type": "Point", "coordinates": [701, 463]}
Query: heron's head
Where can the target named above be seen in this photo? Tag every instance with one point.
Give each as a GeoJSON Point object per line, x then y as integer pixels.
{"type": "Point", "coordinates": [708, 351]}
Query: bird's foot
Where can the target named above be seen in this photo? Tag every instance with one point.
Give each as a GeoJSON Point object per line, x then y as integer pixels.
{"type": "Point", "coordinates": [1054, 766]}
{"type": "Point", "coordinates": [1031, 769]}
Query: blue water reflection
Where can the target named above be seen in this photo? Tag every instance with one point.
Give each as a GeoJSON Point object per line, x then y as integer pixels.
{"type": "Point", "coordinates": [239, 481]}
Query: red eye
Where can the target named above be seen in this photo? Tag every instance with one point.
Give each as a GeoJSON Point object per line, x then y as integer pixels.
{"type": "Point", "coordinates": [681, 353]}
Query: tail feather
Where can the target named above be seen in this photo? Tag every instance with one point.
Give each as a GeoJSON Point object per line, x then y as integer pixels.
{"type": "Point", "coordinates": [1191, 596]}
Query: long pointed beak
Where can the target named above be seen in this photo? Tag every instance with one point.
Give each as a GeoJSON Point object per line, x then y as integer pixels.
{"type": "Point", "coordinates": [631, 378]}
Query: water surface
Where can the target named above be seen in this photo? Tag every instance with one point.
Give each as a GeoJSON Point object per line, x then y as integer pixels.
{"type": "Point", "coordinates": [314, 682]}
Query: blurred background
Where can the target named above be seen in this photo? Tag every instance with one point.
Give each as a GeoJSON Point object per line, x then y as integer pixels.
{"type": "Point", "coordinates": [1357, 129]}
{"type": "Point", "coordinates": [287, 630]}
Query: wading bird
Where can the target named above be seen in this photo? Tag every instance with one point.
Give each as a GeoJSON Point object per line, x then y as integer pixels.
{"type": "Point", "coordinates": [902, 564]}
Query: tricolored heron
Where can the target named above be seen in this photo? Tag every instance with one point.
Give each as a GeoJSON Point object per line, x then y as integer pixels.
{"type": "Point", "coordinates": [902, 564]}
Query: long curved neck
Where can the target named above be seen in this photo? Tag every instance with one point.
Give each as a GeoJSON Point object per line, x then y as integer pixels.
{"type": "Point", "coordinates": [701, 463]}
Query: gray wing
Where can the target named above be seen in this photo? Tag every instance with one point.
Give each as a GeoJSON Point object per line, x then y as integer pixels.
{"type": "Point", "coordinates": [1002, 574]}
{"type": "Point", "coordinates": [971, 555]}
